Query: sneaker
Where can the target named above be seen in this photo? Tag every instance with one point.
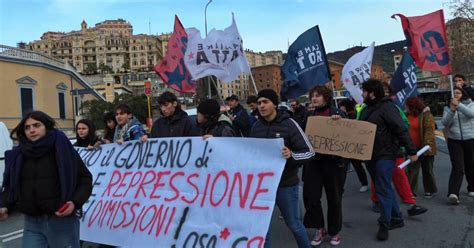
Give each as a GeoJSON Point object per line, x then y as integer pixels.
{"type": "Point", "coordinates": [363, 189]}
{"type": "Point", "coordinates": [416, 210]}
{"type": "Point", "coordinates": [375, 207]}
{"type": "Point", "coordinates": [471, 193]}
{"type": "Point", "coordinates": [396, 224]}
{"type": "Point", "coordinates": [429, 195]}
{"type": "Point", "coordinates": [382, 234]}
{"type": "Point", "coordinates": [453, 199]}
{"type": "Point", "coordinates": [335, 240]}
{"type": "Point", "coordinates": [318, 237]}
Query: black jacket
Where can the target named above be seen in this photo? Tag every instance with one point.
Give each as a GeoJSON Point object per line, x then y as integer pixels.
{"type": "Point", "coordinates": [469, 90]}
{"type": "Point", "coordinates": [391, 133]}
{"type": "Point", "coordinates": [241, 121]}
{"type": "Point", "coordinates": [294, 138]}
{"type": "Point", "coordinates": [300, 116]}
{"type": "Point", "coordinates": [39, 185]}
{"type": "Point", "coordinates": [177, 125]}
{"type": "Point", "coordinates": [220, 128]}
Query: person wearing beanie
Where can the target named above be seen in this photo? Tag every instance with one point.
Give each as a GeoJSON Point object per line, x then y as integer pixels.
{"type": "Point", "coordinates": [297, 150]}
{"type": "Point", "coordinates": [238, 116]}
{"type": "Point", "coordinates": [174, 122]}
{"type": "Point", "coordinates": [211, 122]}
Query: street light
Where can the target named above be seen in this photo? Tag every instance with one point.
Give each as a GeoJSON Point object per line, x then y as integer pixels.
{"type": "Point", "coordinates": [205, 16]}
{"type": "Point", "coordinates": [205, 27]}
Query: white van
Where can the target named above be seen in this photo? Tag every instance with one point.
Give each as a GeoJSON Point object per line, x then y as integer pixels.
{"type": "Point", "coordinates": [5, 144]}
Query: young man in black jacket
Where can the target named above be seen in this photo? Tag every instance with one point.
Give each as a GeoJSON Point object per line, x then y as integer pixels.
{"type": "Point", "coordinates": [238, 116]}
{"type": "Point", "coordinates": [460, 81]}
{"type": "Point", "coordinates": [297, 150]}
{"type": "Point", "coordinates": [174, 121]}
{"type": "Point", "coordinates": [391, 134]}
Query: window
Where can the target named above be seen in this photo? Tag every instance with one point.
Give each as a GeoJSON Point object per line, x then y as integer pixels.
{"type": "Point", "coordinates": [26, 95]}
{"type": "Point", "coordinates": [62, 107]}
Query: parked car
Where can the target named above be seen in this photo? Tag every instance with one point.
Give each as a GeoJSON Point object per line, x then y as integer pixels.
{"type": "Point", "coordinates": [5, 144]}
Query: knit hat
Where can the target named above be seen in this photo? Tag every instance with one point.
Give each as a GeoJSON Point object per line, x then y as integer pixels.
{"type": "Point", "coordinates": [209, 107]}
{"type": "Point", "coordinates": [269, 94]}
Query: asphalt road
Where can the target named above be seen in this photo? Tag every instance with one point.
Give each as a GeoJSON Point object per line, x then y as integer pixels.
{"type": "Point", "coordinates": [443, 226]}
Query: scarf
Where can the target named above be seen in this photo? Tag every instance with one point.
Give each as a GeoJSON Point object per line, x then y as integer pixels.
{"type": "Point", "coordinates": [66, 160]}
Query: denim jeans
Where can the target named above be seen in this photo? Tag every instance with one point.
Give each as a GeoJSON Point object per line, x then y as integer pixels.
{"type": "Point", "coordinates": [381, 172]}
{"type": "Point", "coordinates": [287, 202]}
{"type": "Point", "coordinates": [50, 232]}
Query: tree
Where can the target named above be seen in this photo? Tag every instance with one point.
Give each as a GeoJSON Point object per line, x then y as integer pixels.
{"type": "Point", "coordinates": [126, 66]}
{"type": "Point", "coordinates": [462, 8]}
{"type": "Point", "coordinates": [103, 68]}
{"type": "Point", "coordinates": [91, 69]}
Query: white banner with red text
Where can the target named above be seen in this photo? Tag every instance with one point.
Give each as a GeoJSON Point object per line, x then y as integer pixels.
{"type": "Point", "coordinates": [182, 192]}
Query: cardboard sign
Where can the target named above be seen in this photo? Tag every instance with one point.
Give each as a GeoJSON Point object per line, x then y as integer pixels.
{"type": "Point", "coordinates": [182, 192]}
{"type": "Point", "coordinates": [344, 137]}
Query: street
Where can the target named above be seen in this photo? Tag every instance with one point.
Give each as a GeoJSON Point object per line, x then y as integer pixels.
{"type": "Point", "coordinates": [442, 226]}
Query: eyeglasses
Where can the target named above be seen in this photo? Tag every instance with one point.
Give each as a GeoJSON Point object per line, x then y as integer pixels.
{"type": "Point", "coordinates": [293, 105]}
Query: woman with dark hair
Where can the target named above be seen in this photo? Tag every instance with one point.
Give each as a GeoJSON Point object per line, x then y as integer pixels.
{"type": "Point", "coordinates": [212, 122]}
{"type": "Point", "coordinates": [109, 129]}
{"type": "Point", "coordinates": [422, 132]}
{"type": "Point", "coordinates": [324, 171]}
{"type": "Point", "coordinates": [458, 119]}
{"type": "Point", "coordinates": [47, 181]}
{"type": "Point", "coordinates": [85, 134]}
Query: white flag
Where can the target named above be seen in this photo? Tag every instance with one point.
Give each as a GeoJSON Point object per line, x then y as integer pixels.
{"type": "Point", "coordinates": [357, 70]}
{"type": "Point", "coordinates": [220, 54]}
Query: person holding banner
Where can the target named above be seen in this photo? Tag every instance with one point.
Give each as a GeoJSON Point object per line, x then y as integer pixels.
{"type": "Point", "coordinates": [128, 128]}
{"type": "Point", "coordinates": [297, 150]}
{"type": "Point", "coordinates": [46, 180]}
{"type": "Point", "coordinates": [110, 123]}
{"type": "Point", "coordinates": [174, 121]}
{"type": "Point", "coordinates": [422, 132]}
{"type": "Point", "coordinates": [85, 134]}
{"type": "Point", "coordinates": [391, 134]}
{"type": "Point", "coordinates": [458, 120]}
{"type": "Point", "coordinates": [324, 171]}
{"type": "Point", "coordinates": [212, 122]}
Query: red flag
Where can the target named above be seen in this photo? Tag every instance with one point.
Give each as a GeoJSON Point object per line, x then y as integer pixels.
{"type": "Point", "coordinates": [172, 69]}
{"type": "Point", "coordinates": [427, 41]}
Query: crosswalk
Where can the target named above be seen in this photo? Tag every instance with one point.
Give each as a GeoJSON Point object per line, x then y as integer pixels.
{"type": "Point", "coordinates": [11, 236]}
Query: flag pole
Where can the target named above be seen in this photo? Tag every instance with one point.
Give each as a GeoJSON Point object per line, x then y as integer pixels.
{"type": "Point", "coordinates": [451, 84]}
{"type": "Point", "coordinates": [220, 96]}
{"type": "Point", "coordinates": [334, 94]}
{"type": "Point", "coordinates": [253, 82]}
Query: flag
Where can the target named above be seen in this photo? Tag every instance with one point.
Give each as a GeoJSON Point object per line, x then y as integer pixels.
{"type": "Point", "coordinates": [356, 71]}
{"type": "Point", "coordinates": [172, 69]}
{"type": "Point", "coordinates": [403, 82]}
{"type": "Point", "coordinates": [220, 54]}
{"type": "Point", "coordinates": [305, 65]}
{"type": "Point", "coordinates": [427, 41]}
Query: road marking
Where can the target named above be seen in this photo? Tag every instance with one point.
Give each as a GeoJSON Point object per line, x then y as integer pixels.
{"type": "Point", "coordinates": [12, 233]}
{"type": "Point", "coordinates": [12, 238]}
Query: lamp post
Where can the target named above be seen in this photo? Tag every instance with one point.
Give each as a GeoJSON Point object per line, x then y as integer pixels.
{"type": "Point", "coordinates": [205, 27]}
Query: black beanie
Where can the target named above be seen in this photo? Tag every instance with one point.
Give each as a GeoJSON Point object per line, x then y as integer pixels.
{"type": "Point", "coordinates": [209, 107]}
{"type": "Point", "coordinates": [269, 94]}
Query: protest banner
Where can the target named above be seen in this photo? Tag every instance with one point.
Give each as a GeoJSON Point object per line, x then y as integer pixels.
{"type": "Point", "coordinates": [182, 192]}
{"type": "Point", "coordinates": [344, 137]}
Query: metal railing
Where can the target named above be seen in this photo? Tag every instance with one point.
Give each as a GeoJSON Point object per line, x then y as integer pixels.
{"type": "Point", "coordinates": [13, 52]}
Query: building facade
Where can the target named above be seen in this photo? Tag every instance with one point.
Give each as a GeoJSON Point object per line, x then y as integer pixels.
{"type": "Point", "coordinates": [34, 81]}
{"type": "Point", "coordinates": [243, 86]}
{"type": "Point", "coordinates": [109, 46]}
{"type": "Point", "coordinates": [460, 33]}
